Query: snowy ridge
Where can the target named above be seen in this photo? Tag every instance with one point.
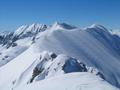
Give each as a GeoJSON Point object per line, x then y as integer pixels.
{"type": "Point", "coordinates": [94, 46]}
{"type": "Point", "coordinates": [97, 26]}
{"type": "Point", "coordinates": [26, 57]}
{"type": "Point", "coordinates": [49, 65]}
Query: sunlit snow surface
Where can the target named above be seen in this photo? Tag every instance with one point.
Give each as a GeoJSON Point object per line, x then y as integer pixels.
{"type": "Point", "coordinates": [94, 46]}
{"type": "Point", "coordinates": [72, 81]}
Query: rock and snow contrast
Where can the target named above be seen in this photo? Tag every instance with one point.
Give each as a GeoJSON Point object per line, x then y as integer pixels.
{"type": "Point", "coordinates": [59, 57]}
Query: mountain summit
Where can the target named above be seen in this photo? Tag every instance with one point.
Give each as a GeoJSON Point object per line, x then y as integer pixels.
{"type": "Point", "coordinates": [58, 25]}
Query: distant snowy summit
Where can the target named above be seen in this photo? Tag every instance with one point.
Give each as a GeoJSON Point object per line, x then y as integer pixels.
{"type": "Point", "coordinates": [58, 25]}
{"type": "Point", "coordinates": [35, 28]}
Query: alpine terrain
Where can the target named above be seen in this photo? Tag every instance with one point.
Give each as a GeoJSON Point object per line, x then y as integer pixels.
{"type": "Point", "coordinates": [60, 57]}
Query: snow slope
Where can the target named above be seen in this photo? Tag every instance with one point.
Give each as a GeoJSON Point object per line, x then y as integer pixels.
{"type": "Point", "coordinates": [18, 78]}
{"type": "Point", "coordinates": [94, 46]}
{"type": "Point", "coordinates": [14, 43]}
{"type": "Point", "coordinates": [72, 81]}
{"type": "Point", "coordinates": [12, 70]}
{"type": "Point", "coordinates": [21, 70]}
{"type": "Point", "coordinates": [8, 54]}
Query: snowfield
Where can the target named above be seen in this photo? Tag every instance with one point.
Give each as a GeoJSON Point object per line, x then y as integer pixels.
{"type": "Point", "coordinates": [71, 81]}
{"type": "Point", "coordinates": [61, 57]}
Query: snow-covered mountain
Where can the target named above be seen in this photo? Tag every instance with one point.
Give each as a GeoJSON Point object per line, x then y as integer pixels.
{"type": "Point", "coordinates": [39, 54]}
{"type": "Point", "coordinates": [14, 43]}
{"type": "Point", "coordinates": [29, 30]}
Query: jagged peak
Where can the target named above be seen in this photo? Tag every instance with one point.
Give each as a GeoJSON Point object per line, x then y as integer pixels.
{"type": "Point", "coordinates": [4, 33]}
{"type": "Point", "coordinates": [33, 25]}
{"type": "Point", "coordinates": [32, 28]}
{"type": "Point", "coordinates": [56, 23]}
{"type": "Point", "coordinates": [36, 25]}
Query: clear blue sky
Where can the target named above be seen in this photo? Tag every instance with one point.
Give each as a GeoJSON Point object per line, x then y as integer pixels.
{"type": "Point", "coordinates": [14, 13]}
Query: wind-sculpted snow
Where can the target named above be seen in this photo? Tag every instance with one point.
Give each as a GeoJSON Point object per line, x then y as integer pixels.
{"type": "Point", "coordinates": [93, 50]}
{"type": "Point", "coordinates": [94, 46]}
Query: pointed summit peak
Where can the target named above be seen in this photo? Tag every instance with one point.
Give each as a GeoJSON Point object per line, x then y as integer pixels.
{"type": "Point", "coordinates": [58, 25]}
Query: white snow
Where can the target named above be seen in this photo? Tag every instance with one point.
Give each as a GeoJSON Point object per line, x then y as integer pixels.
{"type": "Point", "coordinates": [72, 81]}
{"type": "Point", "coordinates": [12, 70]}
{"type": "Point", "coordinates": [94, 46]}
{"type": "Point", "coordinates": [7, 54]}
{"type": "Point", "coordinates": [29, 30]}
{"type": "Point", "coordinates": [115, 32]}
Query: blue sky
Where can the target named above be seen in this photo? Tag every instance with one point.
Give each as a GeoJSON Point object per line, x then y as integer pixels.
{"type": "Point", "coordinates": [14, 13]}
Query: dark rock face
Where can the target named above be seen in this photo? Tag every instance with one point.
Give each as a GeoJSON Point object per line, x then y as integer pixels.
{"type": "Point", "coordinates": [36, 72]}
{"type": "Point", "coordinates": [72, 65]}
{"type": "Point", "coordinates": [5, 38]}
{"type": "Point", "coordinates": [53, 55]}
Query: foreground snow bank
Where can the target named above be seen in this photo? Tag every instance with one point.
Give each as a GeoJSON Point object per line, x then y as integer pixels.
{"type": "Point", "coordinates": [71, 81]}
{"type": "Point", "coordinates": [48, 65]}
